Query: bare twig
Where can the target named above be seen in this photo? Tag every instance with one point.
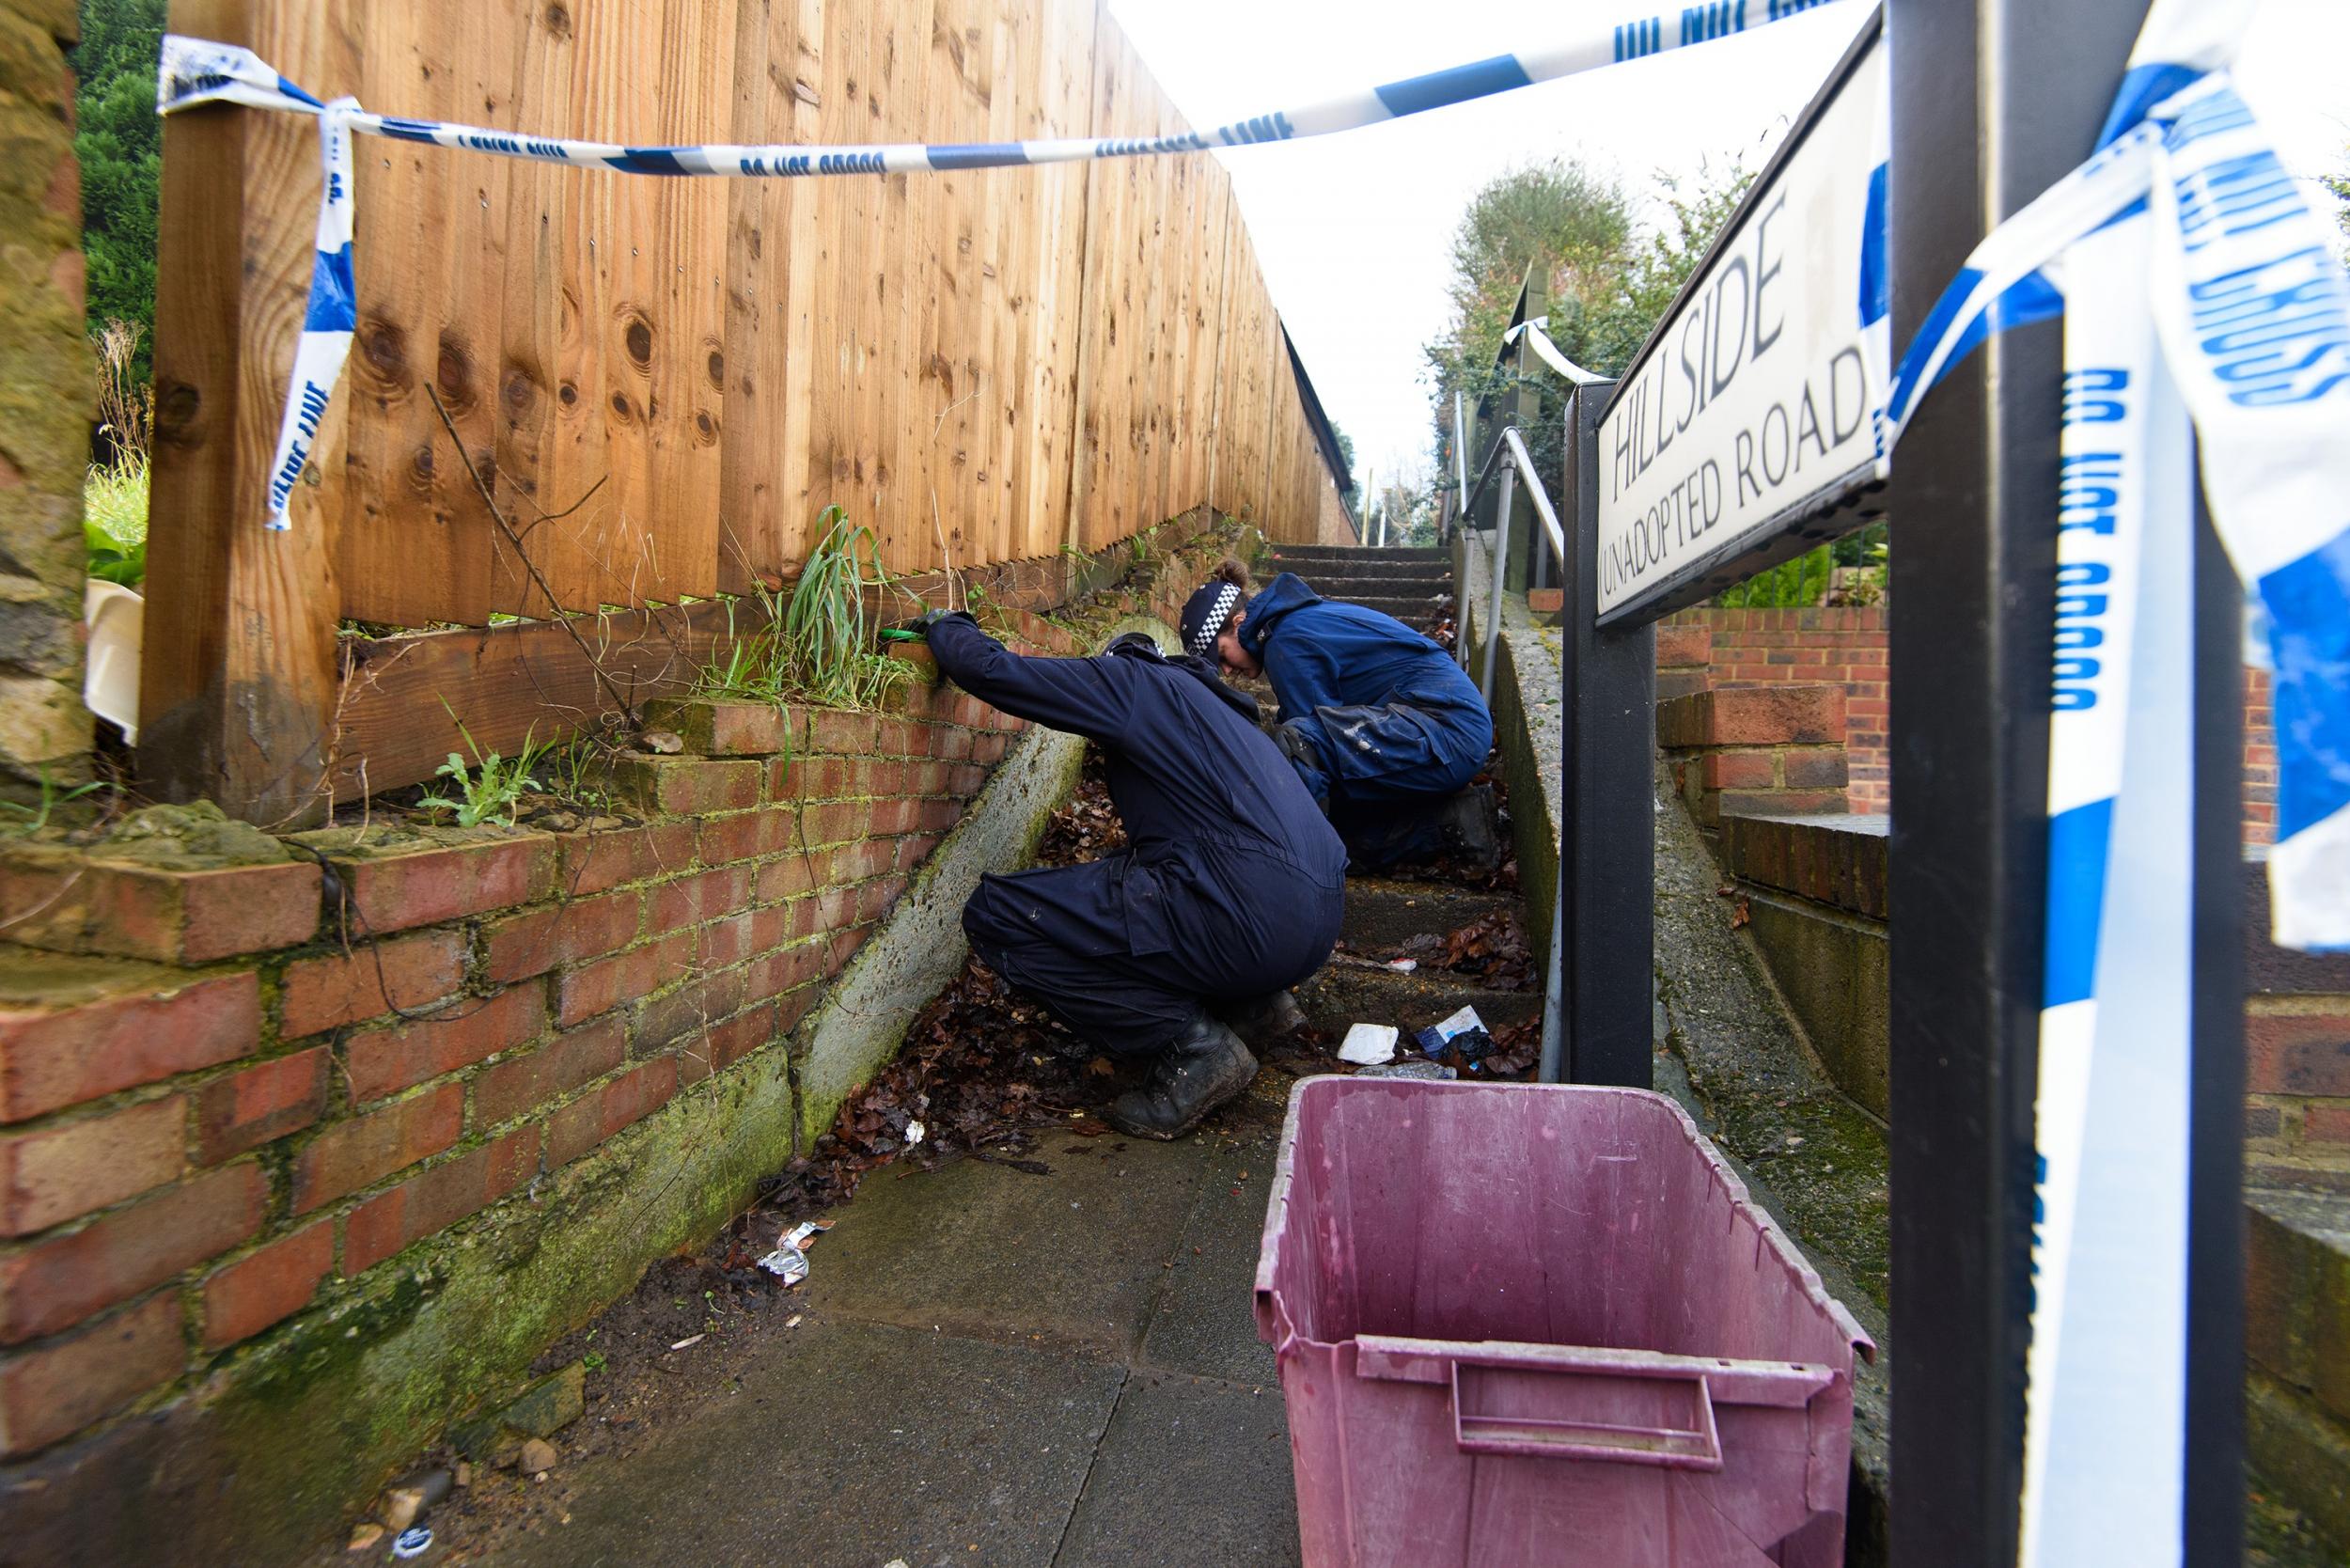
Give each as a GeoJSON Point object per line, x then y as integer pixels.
{"type": "Point", "coordinates": [627, 709]}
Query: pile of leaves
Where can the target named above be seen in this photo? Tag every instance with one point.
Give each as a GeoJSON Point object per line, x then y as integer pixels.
{"type": "Point", "coordinates": [1087, 828]}
{"type": "Point", "coordinates": [980, 1074]}
{"type": "Point", "coordinates": [1492, 950]}
{"type": "Point", "coordinates": [982, 1070]}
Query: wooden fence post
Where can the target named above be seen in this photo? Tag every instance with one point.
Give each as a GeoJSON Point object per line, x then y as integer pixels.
{"type": "Point", "coordinates": [238, 677]}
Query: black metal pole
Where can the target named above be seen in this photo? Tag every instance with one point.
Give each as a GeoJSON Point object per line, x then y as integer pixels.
{"type": "Point", "coordinates": [2214, 1213]}
{"type": "Point", "coordinates": [1993, 100]}
{"type": "Point", "coordinates": [1607, 845]}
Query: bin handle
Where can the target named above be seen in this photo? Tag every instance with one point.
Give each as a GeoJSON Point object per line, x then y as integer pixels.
{"type": "Point", "coordinates": [1695, 1446]}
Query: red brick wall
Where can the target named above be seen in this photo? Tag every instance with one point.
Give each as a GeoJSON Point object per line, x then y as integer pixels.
{"type": "Point", "coordinates": [1846, 647]}
{"type": "Point", "coordinates": [225, 1092]}
{"type": "Point", "coordinates": [2260, 760]}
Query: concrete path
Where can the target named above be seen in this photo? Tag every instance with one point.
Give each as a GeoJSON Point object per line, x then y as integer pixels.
{"type": "Point", "coordinates": [996, 1368]}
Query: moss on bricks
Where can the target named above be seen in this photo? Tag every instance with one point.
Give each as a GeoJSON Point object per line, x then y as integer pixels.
{"type": "Point", "coordinates": [286, 1436]}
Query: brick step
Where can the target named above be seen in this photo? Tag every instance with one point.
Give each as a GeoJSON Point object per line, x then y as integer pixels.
{"type": "Point", "coordinates": [1383, 912]}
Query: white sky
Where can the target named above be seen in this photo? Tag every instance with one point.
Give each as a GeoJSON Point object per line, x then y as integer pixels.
{"type": "Point", "coordinates": [1354, 230]}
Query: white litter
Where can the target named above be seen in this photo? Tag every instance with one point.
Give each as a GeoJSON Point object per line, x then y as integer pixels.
{"type": "Point", "coordinates": [690, 1341]}
{"type": "Point", "coordinates": [1368, 1045]}
{"type": "Point", "coordinates": [789, 1262]}
{"type": "Point", "coordinates": [915, 1133]}
{"type": "Point", "coordinates": [1403, 965]}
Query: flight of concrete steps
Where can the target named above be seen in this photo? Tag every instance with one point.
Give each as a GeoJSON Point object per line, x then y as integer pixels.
{"type": "Point", "coordinates": [1383, 912]}
{"type": "Point", "coordinates": [1409, 585]}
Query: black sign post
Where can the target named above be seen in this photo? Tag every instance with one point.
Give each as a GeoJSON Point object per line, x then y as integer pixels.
{"type": "Point", "coordinates": [1993, 101]}
{"type": "Point", "coordinates": [1607, 844]}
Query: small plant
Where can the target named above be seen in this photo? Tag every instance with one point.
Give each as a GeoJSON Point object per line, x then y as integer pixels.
{"type": "Point", "coordinates": [593, 1361]}
{"type": "Point", "coordinates": [32, 818]}
{"type": "Point", "coordinates": [491, 789]}
{"type": "Point", "coordinates": [818, 642]}
{"type": "Point", "coordinates": [571, 773]}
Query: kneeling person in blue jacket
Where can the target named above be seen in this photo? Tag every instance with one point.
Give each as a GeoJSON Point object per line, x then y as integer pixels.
{"type": "Point", "coordinates": [1382, 728]}
{"type": "Point", "coordinates": [1230, 892]}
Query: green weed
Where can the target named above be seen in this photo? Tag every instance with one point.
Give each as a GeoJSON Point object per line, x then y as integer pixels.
{"type": "Point", "coordinates": [491, 789]}
{"type": "Point", "coordinates": [817, 643]}
{"type": "Point", "coordinates": [32, 818]}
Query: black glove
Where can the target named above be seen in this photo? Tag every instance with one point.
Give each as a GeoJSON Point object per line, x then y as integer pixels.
{"type": "Point", "coordinates": [1296, 746]}
{"type": "Point", "coordinates": [921, 625]}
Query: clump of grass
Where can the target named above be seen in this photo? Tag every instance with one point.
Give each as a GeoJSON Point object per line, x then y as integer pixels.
{"type": "Point", "coordinates": [114, 494]}
{"type": "Point", "coordinates": [817, 644]}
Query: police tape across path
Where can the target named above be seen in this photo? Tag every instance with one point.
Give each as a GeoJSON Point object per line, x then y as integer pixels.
{"type": "Point", "coordinates": [2261, 350]}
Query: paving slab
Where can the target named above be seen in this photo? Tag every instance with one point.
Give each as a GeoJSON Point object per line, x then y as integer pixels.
{"type": "Point", "coordinates": [1192, 1472]}
{"type": "Point", "coordinates": [1205, 1323]}
{"type": "Point", "coordinates": [870, 1443]}
{"type": "Point", "coordinates": [991, 1250]}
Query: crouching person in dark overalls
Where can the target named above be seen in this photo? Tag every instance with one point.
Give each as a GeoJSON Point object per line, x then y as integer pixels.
{"type": "Point", "coordinates": [1381, 725]}
{"type": "Point", "coordinates": [1230, 892]}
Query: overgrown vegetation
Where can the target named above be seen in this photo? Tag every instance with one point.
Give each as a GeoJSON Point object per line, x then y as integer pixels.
{"type": "Point", "coordinates": [817, 644]}
{"type": "Point", "coordinates": [114, 494]}
{"type": "Point", "coordinates": [1608, 278]}
{"type": "Point", "coordinates": [120, 140]}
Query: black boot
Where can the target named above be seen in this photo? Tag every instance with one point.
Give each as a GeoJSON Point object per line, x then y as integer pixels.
{"type": "Point", "coordinates": [1199, 1069]}
{"type": "Point", "coordinates": [1262, 1021]}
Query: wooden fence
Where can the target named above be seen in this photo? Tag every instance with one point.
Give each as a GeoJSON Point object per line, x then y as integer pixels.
{"type": "Point", "coordinates": [665, 382]}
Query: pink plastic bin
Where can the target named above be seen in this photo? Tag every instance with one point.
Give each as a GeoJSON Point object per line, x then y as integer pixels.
{"type": "Point", "coordinates": [1540, 1324]}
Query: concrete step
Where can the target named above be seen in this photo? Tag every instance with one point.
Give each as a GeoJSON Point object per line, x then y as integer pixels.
{"type": "Point", "coordinates": [1349, 583]}
{"type": "Point", "coordinates": [1412, 612]}
{"type": "Point", "coordinates": [1380, 596]}
{"type": "Point", "coordinates": [1348, 992]}
{"type": "Point", "coordinates": [1362, 563]}
{"type": "Point", "coordinates": [1292, 554]}
{"type": "Point", "coordinates": [1383, 912]}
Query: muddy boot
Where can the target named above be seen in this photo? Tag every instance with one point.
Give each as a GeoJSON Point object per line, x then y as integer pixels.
{"type": "Point", "coordinates": [1466, 823]}
{"type": "Point", "coordinates": [1264, 1021]}
{"type": "Point", "coordinates": [1199, 1069]}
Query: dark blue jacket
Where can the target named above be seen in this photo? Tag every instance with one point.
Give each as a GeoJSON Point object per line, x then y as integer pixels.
{"type": "Point", "coordinates": [1231, 864]}
{"type": "Point", "coordinates": [1322, 656]}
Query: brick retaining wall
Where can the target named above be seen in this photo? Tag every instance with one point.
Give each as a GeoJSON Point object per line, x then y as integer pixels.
{"type": "Point", "coordinates": [1848, 646]}
{"type": "Point", "coordinates": [237, 1098]}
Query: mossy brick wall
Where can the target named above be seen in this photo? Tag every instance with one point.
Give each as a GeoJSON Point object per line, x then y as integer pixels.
{"type": "Point", "coordinates": [430, 1098]}
{"type": "Point", "coordinates": [307, 1146]}
{"type": "Point", "coordinates": [47, 404]}
{"type": "Point", "coordinates": [230, 1089]}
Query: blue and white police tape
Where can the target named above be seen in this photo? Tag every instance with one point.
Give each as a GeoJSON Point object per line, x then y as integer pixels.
{"type": "Point", "coordinates": [2255, 318]}
{"type": "Point", "coordinates": [1550, 353]}
{"type": "Point", "coordinates": [197, 71]}
{"type": "Point", "coordinates": [2201, 297]}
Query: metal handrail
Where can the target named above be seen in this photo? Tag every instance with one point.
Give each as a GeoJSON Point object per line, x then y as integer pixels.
{"type": "Point", "coordinates": [1521, 462]}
